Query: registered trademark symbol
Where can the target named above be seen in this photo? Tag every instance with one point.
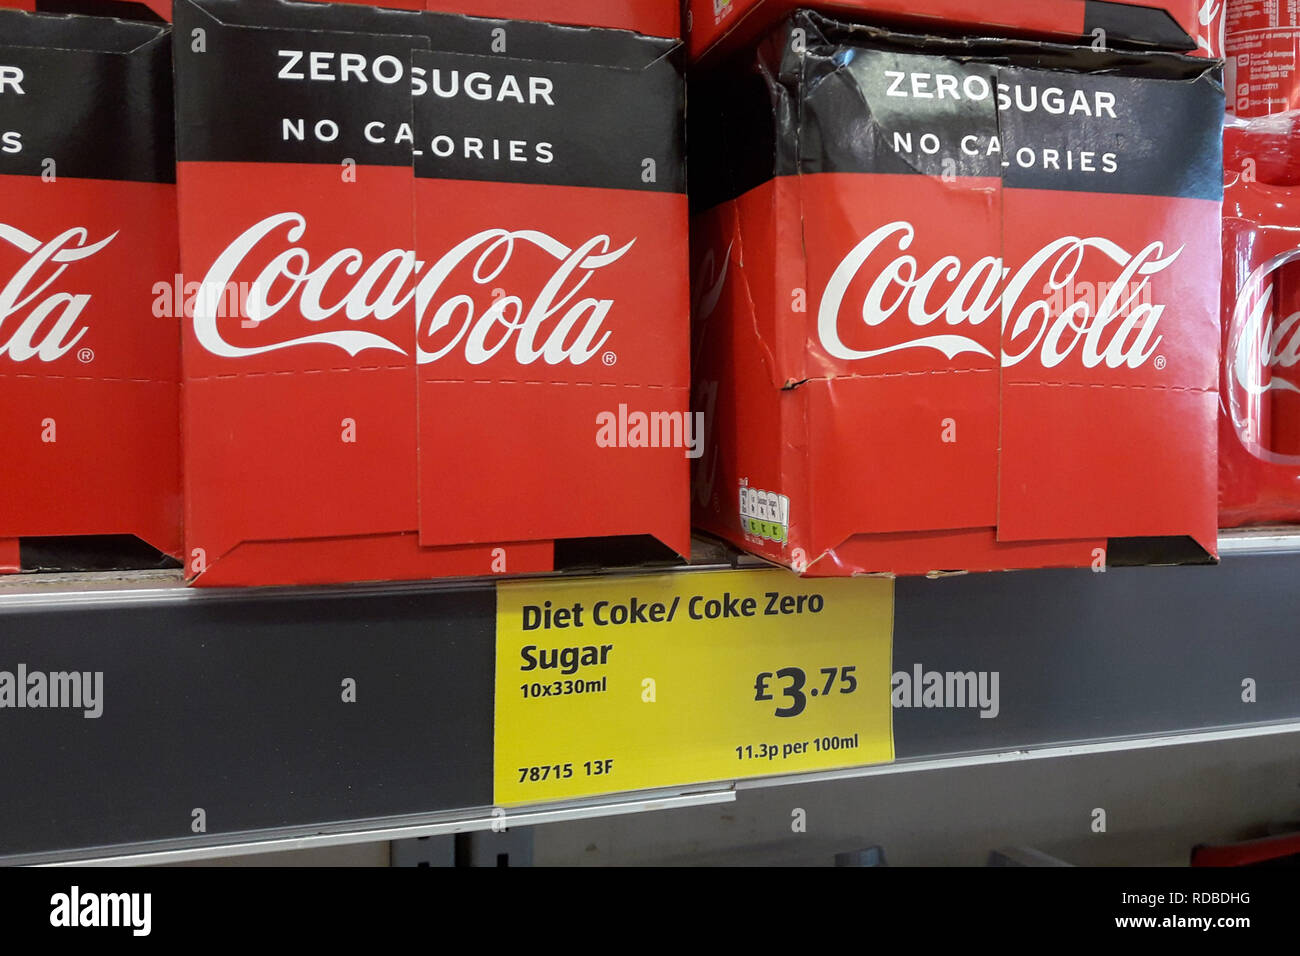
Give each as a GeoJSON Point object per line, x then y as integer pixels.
{"type": "Point", "coordinates": [609, 358]}
{"type": "Point", "coordinates": [1160, 363]}
{"type": "Point", "coordinates": [86, 356]}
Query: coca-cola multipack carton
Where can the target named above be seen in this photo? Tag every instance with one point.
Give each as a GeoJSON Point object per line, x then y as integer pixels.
{"type": "Point", "coordinates": [1262, 43]}
{"type": "Point", "coordinates": [660, 18]}
{"type": "Point", "coordinates": [1192, 26]}
{"type": "Point", "coordinates": [150, 10]}
{"type": "Point", "coordinates": [89, 363]}
{"type": "Point", "coordinates": [1259, 442]}
{"type": "Point", "coordinates": [446, 275]}
{"type": "Point", "coordinates": [956, 303]}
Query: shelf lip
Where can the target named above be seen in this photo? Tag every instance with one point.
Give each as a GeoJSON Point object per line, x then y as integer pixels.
{"type": "Point", "coordinates": [1270, 540]}
{"type": "Point", "coordinates": [442, 824]}
{"type": "Point", "coordinates": [618, 804]}
{"type": "Point", "coordinates": [98, 589]}
{"type": "Point", "coordinates": [1055, 751]}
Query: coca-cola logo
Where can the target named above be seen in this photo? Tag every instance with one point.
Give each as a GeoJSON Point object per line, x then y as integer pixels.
{"type": "Point", "coordinates": [554, 324]}
{"type": "Point", "coordinates": [1211, 20]}
{"type": "Point", "coordinates": [933, 304]}
{"type": "Point", "coordinates": [35, 321]}
{"type": "Point", "coordinates": [1262, 351]}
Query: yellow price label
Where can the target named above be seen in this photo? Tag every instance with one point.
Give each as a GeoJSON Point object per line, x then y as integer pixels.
{"type": "Point", "coordinates": [640, 682]}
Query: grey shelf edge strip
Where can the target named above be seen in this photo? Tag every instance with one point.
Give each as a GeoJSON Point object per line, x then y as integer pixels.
{"type": "Point", "coordinates": [469, 821]}
{"type": "Point", "coordinates": [623, 804]}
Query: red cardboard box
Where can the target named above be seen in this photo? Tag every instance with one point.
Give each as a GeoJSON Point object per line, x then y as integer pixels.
{"type": "Point", "coordinates": [969, 332]}
{"type": "Point", "coordinates": [1259, 441]}
{"type": "Point", "coordinates": [1181, 25]}
{"type": "Point", "coordinates": [659, 18]}
{"type": "Point", "coordinates": [152, 10]}
{"type": "Point", "coordinates": [595, 315]}
{"type": "Point", "coordinates": [89, 365]}
{"type": "Point", "coordinates": [396, 395]}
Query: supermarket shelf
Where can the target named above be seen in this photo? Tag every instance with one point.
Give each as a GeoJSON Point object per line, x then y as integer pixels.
{"type": "Point", "coordinates": [922, 765]}
{"type": "Point", "coordinates": [228, 700]}
{"type": "Point", "coordinates": [380, 831]}
{"type": "Point", "coordinates": [1259, 541]}
{"type": "Point", "coordinates": [482, 819]}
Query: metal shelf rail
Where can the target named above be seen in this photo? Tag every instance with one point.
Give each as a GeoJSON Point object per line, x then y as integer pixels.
{"type": "Point", "coordinates": [222, 730]}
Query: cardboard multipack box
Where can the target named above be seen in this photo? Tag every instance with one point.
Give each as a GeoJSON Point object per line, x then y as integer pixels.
{"type": "Point", "coordinates": [89, 354]}
{"type": "Point", "coordinates": [1192, 26]}
{"type": "Point", "coordinates": [149, 10]}
{"type": "Point", "coordinates": [956, 303]}
{"type": "Point", "coordinates": [660, 18]}
{"type": "Point", "coordinates": [399, 377]}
